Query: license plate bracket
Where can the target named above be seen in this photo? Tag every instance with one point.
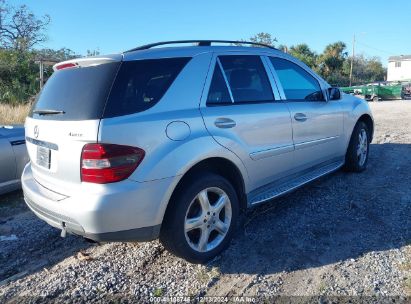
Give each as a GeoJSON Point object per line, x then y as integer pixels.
{"type": "Point", "coordinates": [43, 157]}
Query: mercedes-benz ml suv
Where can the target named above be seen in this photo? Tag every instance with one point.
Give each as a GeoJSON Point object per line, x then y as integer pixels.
{"type": "Point", "coordinates": [175, 142]}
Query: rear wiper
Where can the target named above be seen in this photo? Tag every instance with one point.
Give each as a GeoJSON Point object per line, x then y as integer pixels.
{"type": "Point", "coordinates": [47, 112]}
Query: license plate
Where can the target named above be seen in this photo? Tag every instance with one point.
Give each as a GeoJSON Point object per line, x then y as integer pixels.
{"type": "Point", "coordinates": [43, 157]}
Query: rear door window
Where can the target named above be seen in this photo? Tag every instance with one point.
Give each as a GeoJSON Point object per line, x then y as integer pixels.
{"type": "Point", "coordinates": [297, 83]}
{"type": "Point", "coordinates": [140, 84]}
{"type": "Point", "coordinates": [80, 93]}
{"type": "Point", "coordinates": [247, 78]}
{"type": "Point", "coordinates": [218, 93]}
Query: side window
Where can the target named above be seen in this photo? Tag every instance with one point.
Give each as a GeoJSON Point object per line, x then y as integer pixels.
{"type": "Point", "coordinates": [140, 84]}
{"type": "Point", "coordinates": [218, 93]}
{"type": "Point", "coordinates": [247, 78]}
{"type": "Point", "coordinates": [297, 83]}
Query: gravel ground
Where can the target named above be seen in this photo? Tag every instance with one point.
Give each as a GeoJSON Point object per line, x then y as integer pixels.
{"type": "Point", "coordinates": [345, 236]}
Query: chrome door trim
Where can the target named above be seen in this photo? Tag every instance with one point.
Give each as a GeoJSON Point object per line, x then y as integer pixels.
{"type": "Point", "coordinates": [271, 78]}
{"type": "Point", "coordinates": [225, 79]}
{"type": "Point", "coordinates": [275, 76]}
{"type": "Point", "coordinates": [312, 143]}
{"type": "Point", "coordinates": [271, 152]}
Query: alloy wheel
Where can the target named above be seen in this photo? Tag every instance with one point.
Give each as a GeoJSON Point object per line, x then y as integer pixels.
{"type": "Point", "coordinates": [208, 219]}
{"type": "Point", "coordinates": [362, 147]}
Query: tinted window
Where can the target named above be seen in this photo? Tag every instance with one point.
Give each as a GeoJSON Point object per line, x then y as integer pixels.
{"type": "Point", "coordinates": [297, 83]}
{"type": "Point", "coordinates": [218, 93]}
{"type": "Point", "coordinates": [247, 78]}
{"type": "Point", "coordinates": [141, 84]}
{"type": "Point", "coordinates": [80, 92]}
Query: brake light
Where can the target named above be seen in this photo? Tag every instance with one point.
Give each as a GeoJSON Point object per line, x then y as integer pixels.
{"type": "Point", "coordinates": [108, 163]}
{"type": "Point", "coordinates": [65, 66]}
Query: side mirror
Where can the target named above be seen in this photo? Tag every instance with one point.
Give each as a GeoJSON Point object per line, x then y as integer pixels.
{"type": "Point", "coordinates": [334, 93]}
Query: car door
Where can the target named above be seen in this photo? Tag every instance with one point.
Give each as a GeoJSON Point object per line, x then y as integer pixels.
{"type": "Point", "coordinates": [242, 110]}
{"type": "Point", "coordinates": [317, 122]}
{"type": "Point", "coordinates": [7, 161]}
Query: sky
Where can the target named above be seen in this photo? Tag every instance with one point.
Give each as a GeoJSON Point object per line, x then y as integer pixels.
{"type": "Point", "coordinates": [382, 28]}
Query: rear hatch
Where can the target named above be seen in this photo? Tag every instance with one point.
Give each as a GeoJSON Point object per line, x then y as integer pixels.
{"type": "Point", "coordinates": [65, 117]}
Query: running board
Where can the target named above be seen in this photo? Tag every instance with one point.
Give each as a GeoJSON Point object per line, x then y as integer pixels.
{"type": "Point", "coordinates": [276, 189]}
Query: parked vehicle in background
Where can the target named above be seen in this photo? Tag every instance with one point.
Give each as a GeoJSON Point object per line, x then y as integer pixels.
{"type": "Point", "coordinates": [13, 157]}
{"type": "Point", "coordinates": [406, 91]}
{"type": "Point", "coordinates": [377, 91]}
{"type": "Point", "coordinates": [175, 142]}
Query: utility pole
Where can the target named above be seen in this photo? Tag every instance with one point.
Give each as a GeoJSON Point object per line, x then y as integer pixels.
{"type": "Point", "coordinates": [352, 58]}
{"type": "Point", "coordinates": [41, 70]}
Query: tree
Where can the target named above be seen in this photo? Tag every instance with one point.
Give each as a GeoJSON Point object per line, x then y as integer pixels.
{"type": "Point", "coordinates": [20, 29]}
{"type": "Point", "coordinates": [264, 38]}
{"type": "Point", "coordinates": [331, 62]}
{"type": "Point", "coordinates": [18, 76]}
{"type": "Point", "coordinates": [19, 71]}
{"type": "Point", "coordinates": [305, 54]}
{"type": "Point", "coordinates": [375, 70]}
{"type": "Point", "coordinates": [91, 53]}
{"type": "Point", "coordinates": [58, 55]}
{"type": "Point", "coordinates": [365, 70]}
{"type": "Point", "coordinates": [283, 47]}
{"type": "Point", "coordinates": [332, 59]}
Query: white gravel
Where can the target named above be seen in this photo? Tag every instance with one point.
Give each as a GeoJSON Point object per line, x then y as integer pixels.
{"type": "Point", "coordinates": [345, 235]}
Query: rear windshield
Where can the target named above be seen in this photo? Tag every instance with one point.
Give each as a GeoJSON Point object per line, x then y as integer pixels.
{"type": "Point", "coordinates": [96, 92]}
{"type": "Point", "coordinates": [80, 92]}
{"type": "Point", "coordinates": [140, 84]}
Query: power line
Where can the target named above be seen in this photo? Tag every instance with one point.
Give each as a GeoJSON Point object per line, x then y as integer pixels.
{"type": "Point", "coordinates": [373, 48]}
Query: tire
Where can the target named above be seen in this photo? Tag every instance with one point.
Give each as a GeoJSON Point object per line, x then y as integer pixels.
{"type": "Point", "coordinates": [189, 204]}
{"type": "Point", "coordinates": [356, 158]}
{"type": "Point", "coordinates": [375, 99]}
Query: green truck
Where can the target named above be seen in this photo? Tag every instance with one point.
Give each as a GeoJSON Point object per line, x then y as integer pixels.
{"type": "Point", "coordinates": [381, 91]}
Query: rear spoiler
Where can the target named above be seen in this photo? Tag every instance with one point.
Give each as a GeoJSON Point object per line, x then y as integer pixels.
{"type": "Point", "coordinates": [87, 62]}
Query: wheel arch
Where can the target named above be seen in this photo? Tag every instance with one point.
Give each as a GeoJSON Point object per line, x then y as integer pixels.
{"type": "Point", "coordinates": [218, 165]}
{"type": "Point", "coordinates": [366, 118]}
{"type": "Point", "coordinates": [357, 110]}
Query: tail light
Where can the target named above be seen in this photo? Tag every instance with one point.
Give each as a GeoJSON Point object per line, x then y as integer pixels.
{"type": "Point", "coordinates": [108, 163]}
{"type": "Point", "coordinates": [65, 66]}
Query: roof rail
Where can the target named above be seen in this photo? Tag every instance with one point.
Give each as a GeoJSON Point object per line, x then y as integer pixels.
{"type": "Point", "coordinates": [199, 43]}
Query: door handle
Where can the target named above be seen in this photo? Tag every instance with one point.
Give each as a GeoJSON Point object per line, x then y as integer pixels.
{"type": "Point", "coordinates": [224, 123]}
{"type": "Point", "coordinates": [300, 117]}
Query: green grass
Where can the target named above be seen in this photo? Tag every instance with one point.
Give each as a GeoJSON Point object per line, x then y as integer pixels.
{"type": "Point", "coordinates": [206, 274]}
{"type": "Point", "coordinates": [322, 288]}
{"type": "Point", "coordinates": [158, 292]}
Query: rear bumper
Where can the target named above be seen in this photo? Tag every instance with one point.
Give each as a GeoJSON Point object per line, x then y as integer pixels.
{"type": "Point", "coordinates": [124, 211]}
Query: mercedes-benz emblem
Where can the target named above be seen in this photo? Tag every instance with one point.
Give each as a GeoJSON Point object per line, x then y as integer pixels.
{"type": "Point", "coordinates": [36, 131]}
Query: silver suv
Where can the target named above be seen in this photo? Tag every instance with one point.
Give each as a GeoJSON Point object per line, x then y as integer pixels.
{"type": "Point", "coordinates": [175, 142]}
